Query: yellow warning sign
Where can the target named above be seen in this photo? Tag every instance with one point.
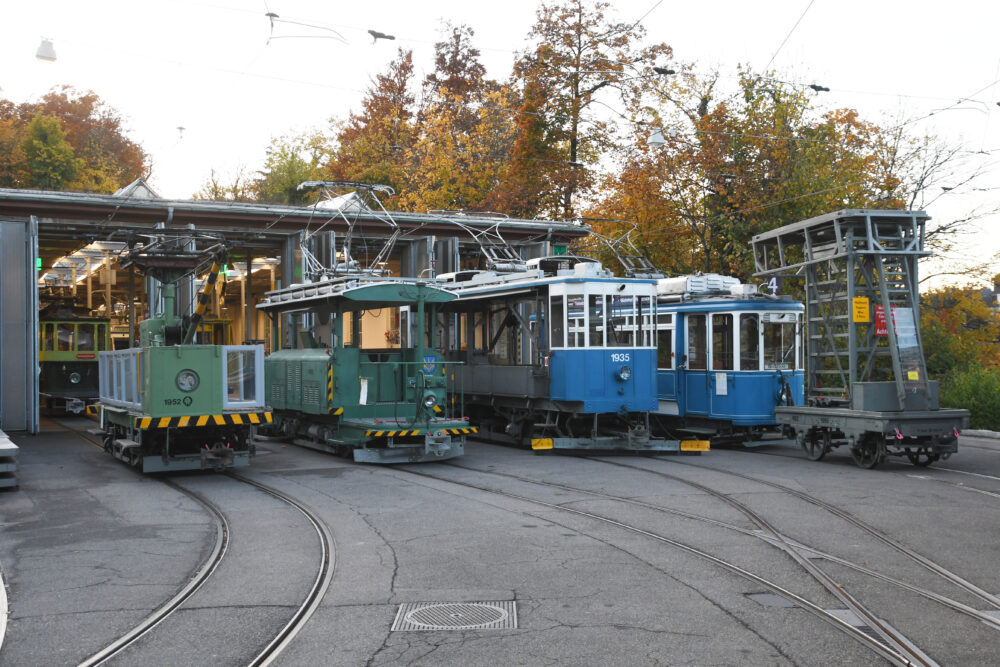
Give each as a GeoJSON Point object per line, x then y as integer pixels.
{"type": "Point", "coordinates": [913, 375]}
{"type": "Point", "coordinates": [861, 312]}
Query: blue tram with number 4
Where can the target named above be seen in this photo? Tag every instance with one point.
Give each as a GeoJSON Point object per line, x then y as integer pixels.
{"type": "Point", "coordinates": [726, 357]}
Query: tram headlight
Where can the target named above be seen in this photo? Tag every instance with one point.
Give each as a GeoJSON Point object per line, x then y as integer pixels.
{"type": "Point", "coordinates": [74, 378]}
{"type": "Point", "coordinates": [187, 380]}
{"type": "Point", "coordinates": [430, 400]}
{"type": "Point", "coordinates": [624, 373]}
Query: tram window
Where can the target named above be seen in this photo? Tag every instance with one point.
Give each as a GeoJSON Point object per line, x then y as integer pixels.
{"type": "Point", "coordinates": [647, 333]}
{"type": "Point", "coordinates": [665, 349]}
{"type": "Point", "coordinates": [102, 337]}
{"type": "Point", "coordinates": [697, 335]}
{"type": "Point", "coordinates": [596, 302]}
{"type": "Point", "coordinates": [50, 344]}
{"type": "Point", "coordinates": [749, 342]}
{"type": "Point", "coordinates": [665, 341]}
{"type": "Point", "coordinates": [621, 320]}
{"type": "Point", "coordinates": [85, 337]}
{"type": "Point", "coordinates": [802, 341]}
{"type": "Point", "coordinates": [557, 324]}
{"type": "Point", "coordinates": [779, 345]}
{"type": "Point", "coordinates": [722, 342]}
{"type": "Point", "coordinates": [240, 378]}
{"type": "Point", "coordinates": [348, 328]}
{"type": "Point", "coordinates": [576, 316]}
{"type": "Point", "coordinates": [64, 335]}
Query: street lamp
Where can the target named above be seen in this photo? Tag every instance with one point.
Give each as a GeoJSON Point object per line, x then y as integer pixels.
{"type": "Point", "coordinates": [46, 51]}
{"type": "Point", "coordinates": [656, 139]}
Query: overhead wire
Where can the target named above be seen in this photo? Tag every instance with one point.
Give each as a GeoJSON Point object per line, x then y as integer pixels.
{"type": "Point", "coordinates": [785, 40]}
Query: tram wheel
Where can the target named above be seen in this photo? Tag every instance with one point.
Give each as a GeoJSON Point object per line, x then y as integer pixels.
{"type": "Point", "coordinates": [814, 446]}
{"type": "Point", "coordinates": [869, 451]}
{"type": "Point", "coordinates": [922, 459]}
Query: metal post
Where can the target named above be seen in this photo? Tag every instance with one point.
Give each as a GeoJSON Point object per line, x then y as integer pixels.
{"type": "Point", "coordinates": [107, 286]}
{"type": "Point", "coordinates": [243, 304]}
{"type": "Point", "coordinates": [131, 306]}
{"type": "Point", "coordinates": [90, 285]}
{"type": "Point", "coordinates": [249, 328]}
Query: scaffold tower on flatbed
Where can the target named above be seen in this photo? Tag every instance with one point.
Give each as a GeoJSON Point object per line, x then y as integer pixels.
{"type": "Point", "coordinates": [867, 380]}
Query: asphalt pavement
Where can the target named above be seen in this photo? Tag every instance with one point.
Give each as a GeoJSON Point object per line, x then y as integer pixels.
{"type": "Point", "coordinates": [603, 557]}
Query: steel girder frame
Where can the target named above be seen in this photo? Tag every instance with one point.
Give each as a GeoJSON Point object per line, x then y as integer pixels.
{"type": "Point", "coordinates": [855, 264]}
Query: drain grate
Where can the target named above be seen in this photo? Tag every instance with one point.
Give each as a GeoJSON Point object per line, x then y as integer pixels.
{"type": "Point", "coordinates": [456, 616]}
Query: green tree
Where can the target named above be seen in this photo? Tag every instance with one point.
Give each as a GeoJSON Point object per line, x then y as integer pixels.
{"type": "Point", "coordinates": [237, 186]}
{"type": "Point", "coordinates": [289, 161]}
{"type": "Point", "coordinates": [49, 158]}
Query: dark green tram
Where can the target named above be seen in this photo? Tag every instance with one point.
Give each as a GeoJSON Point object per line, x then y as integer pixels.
{"type": "Point", "coordinates": [67, 355]}
{"type": "Point", "coordinates": [346, 388]}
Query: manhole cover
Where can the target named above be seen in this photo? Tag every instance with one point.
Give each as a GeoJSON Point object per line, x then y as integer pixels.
{"type": "Point", "coordinates": [456, 616]}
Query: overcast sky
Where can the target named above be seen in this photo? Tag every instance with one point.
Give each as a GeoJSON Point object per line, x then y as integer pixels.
{"type": "Point", "coordinates": [207, 66]}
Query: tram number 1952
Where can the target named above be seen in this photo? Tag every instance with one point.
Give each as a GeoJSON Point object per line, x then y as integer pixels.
{"type": "Point", "coordinates": [621, 356]}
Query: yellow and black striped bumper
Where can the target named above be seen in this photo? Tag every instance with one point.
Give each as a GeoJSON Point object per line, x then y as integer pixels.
{"type": "Point", "coordinates": [233, 418]}
{"type": "Point", "coordinates": [394, 434]}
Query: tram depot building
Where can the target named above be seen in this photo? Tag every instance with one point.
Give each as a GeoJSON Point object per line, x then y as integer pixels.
{"type": "Point", "coordinates": [59, 250]}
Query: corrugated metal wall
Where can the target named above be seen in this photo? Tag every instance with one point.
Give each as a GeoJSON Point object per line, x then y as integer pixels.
{"type": "Point", "coordinates": [18, 326]}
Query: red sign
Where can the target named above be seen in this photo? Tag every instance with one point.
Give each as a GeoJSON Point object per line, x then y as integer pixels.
{"type": "Point", "coordinates": [86, 356]}
{"type": "Point", "coordinates": [880, 327]}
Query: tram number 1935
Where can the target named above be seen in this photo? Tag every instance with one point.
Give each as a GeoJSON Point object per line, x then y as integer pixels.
{"type": "Point", "coordinates": [621, 356]}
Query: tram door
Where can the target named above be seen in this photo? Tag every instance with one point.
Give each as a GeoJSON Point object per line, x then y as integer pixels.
{"type": "Point", "coordinates": [695, 363]}
{"type": "Point", "coordinates": [722, 379]}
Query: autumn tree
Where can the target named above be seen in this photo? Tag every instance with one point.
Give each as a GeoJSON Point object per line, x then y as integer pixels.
{"type": "Point", "coordinates": [463, 132]}
{"type": "Point", "coordinates": [105, 158]}
{"type": "Point", "coordinates": [371, 145]}
{"type": "Point", "coordinates": [730, 168]}
{"type": "Point", "coordinates": [578, 50]}
{"type": "Point", "coordinates": [959, 330]}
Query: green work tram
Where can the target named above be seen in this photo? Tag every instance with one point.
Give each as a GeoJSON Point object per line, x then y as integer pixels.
{"type": "Point", "coordinates": [350, 386]}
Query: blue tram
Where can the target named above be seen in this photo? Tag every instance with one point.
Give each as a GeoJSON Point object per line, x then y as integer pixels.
{"type": "Point", "coordinates": [726, 357]}
{"type": "Point", "coordinates": [561, 355]}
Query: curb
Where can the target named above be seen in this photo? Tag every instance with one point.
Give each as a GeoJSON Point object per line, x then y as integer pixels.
{"type": "Point", "coordinates": [3, 609]}
{"type": "Point", "coordinates": [981, 434]}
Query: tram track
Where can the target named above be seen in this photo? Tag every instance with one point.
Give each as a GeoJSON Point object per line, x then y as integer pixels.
{"type": "Point", "coordinates": [898, 650]}
{"type": "Point", "coordinates": [779, 541]}
{"type": "Point", "coordinates": [319, 587]}
{"type": "Point", "coordinates": [173, 604]}
{"type": "Point", "coordinates": [913, 555]}
{"type": "Point", "coordinates": [303, 613]}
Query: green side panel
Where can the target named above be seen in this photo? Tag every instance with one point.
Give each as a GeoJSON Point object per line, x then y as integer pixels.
{"type": "Point", "coordinates": [162, 397]}
{"type": "Point", "coordinates": [297, 380]}
{"type": "Point", "coordinates": [346, 385]}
